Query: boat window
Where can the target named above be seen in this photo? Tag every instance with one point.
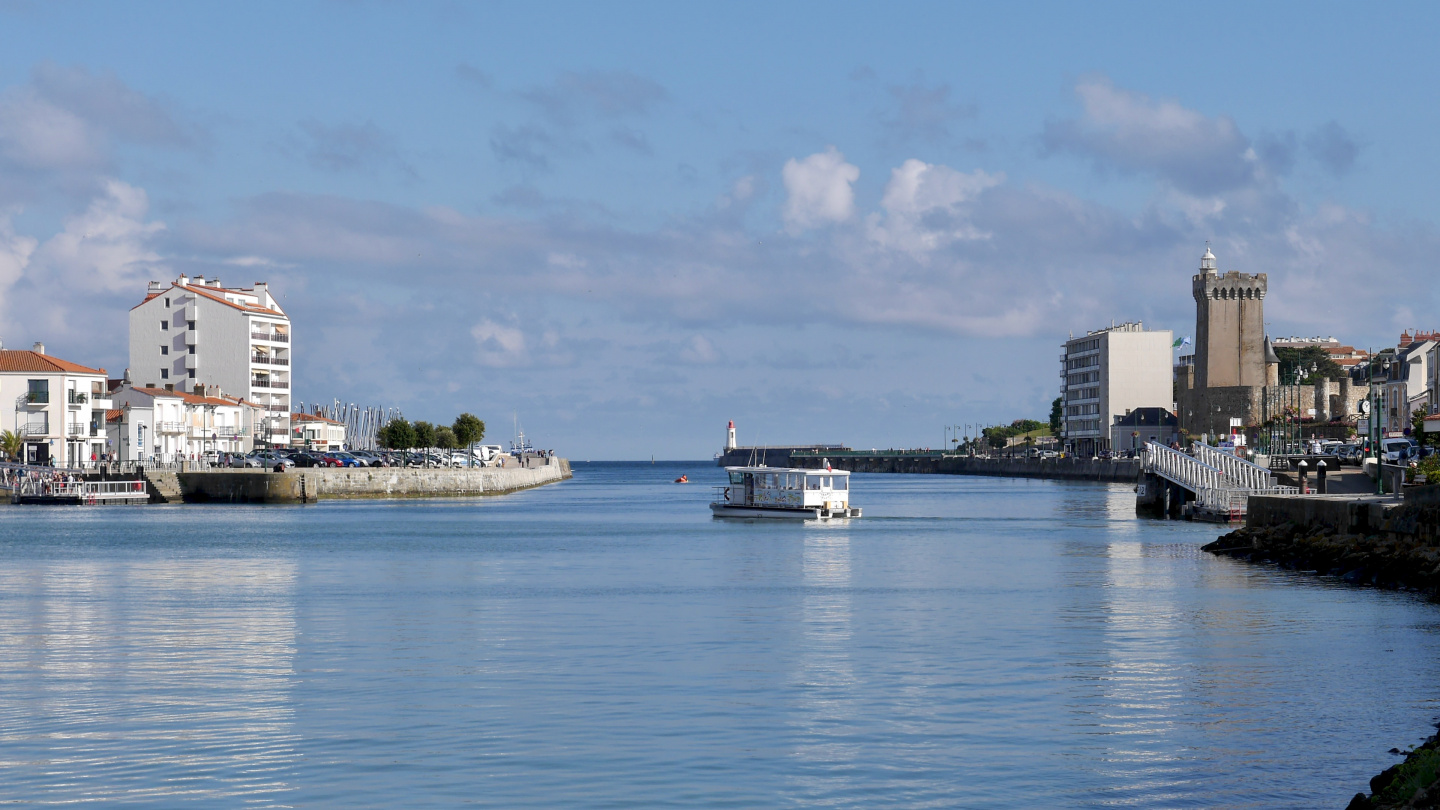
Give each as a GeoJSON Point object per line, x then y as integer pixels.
{"type": "Point", "coordinates": [842, 481]}
{"type": "Point", "coordinates": [812, 482]}
{"type": "Point", "coordinates": [824, 482]}
{"type": "Point", "coordinates": [737, 477]}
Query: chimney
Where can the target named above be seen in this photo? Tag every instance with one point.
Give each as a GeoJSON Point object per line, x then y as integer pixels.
{"type": "Point", "coordinates": [155, 287]}
{"type": "Point", "coordinates": [38, 348]}
{"type": "Point", "coordinates": [200, 279]}
{"type": "Point", "coordinates": [183, 281]}
{"type": "Point", "coordinates": [214, 282]}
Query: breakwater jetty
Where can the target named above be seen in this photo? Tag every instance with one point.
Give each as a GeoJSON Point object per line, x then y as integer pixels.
{"type": "Point", "coordinates": [320, 483]}
{"type": "Point", "coordinates": [933, 462]}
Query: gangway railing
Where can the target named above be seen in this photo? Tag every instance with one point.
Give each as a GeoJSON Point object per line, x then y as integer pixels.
{"type": "Point", "coordinates": [1222, 483]}
{"type": "Point", "coordinates": [1238, 470]}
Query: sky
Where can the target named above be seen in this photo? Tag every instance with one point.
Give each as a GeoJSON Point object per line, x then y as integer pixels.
{"type": "Point", "coordinates": [624, 224]}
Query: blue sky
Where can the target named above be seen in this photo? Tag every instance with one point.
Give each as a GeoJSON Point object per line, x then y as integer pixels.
{"type": "Point", "coordinates": [631, 223]}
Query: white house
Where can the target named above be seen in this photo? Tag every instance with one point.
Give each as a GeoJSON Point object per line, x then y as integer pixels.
{"type": "Point", "coordinates": [57, 407]}
{"type": "Point", "coordinates": [153, 424]}
{"type": "Point", "coordinates": [194, 332]}
{"type": "Point", "coordinates": [1406, 389]}
{"type": "Point", "coordinates": [316, 432]}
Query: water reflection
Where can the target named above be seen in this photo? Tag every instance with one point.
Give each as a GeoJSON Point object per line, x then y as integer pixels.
{"type": "Point", "coordinates": [147, 681]}
{"type": "Point", "coordinates": [825, 673]}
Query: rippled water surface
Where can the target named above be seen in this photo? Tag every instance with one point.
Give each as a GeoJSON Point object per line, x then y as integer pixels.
{"type": "Point", "coordinates": [971, 642]}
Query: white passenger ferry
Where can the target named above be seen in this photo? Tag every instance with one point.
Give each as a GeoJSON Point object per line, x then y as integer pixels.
{"type": "Point", "coordinates": [777, 492]}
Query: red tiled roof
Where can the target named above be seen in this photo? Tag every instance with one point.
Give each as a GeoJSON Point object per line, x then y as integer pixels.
{"type": "Point", "coordinates": [157, 392]}
{"type": "Point", "coordinates": [114, 414]}
{"type": "Point", "coordinates": [35, 361]}
{"type": "Point", "coordinates": [196, 399]}
{"type": "Point", "coordinates": [310, 417]}
{"type": "Point", "coordinates": [199, 290]}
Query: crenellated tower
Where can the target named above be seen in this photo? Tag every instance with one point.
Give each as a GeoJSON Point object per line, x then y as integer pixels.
{"type": "Point", "coordinates": [1229, 327]}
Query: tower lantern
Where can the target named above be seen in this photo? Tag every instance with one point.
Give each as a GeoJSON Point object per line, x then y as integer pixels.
{"type": "Point", "coordinates": [730, 436]}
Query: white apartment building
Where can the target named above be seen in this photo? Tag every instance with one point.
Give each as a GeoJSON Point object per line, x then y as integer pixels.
{"type": "Point", "coordinates": [195, 332]}
{"type": "Point", "coordinates": [153, 424]}
{"type": "Point", "coordinates": [1108, 373]}
{"type": "Point", "coordinates": [56, 406]}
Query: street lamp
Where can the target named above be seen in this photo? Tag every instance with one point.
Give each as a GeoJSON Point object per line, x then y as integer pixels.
{"type": "Point", "coordinates": [1373, 425]}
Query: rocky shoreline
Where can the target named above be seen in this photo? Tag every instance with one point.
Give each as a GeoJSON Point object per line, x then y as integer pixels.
{"type": "Point", "coordinates": [1401, 553]}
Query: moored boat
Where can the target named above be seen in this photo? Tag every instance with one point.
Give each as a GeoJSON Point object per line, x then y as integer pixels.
{"type": "Point", "coordinates": [780, 492]}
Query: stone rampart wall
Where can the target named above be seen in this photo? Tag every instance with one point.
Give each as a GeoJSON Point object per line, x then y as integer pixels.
{"type": "Point", "coordinates": [1126, 470]}
{"type": "Point", "coordinates": [312, 484]}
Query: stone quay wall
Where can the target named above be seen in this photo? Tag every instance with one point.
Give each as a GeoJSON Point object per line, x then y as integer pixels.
{"type": "Point", "coordinates": [316, 483]}
{"type": "Point", "coordinates": [1073, 469]}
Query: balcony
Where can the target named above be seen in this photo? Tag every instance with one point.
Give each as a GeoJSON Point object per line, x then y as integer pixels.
{"type": "Point", "coordinates": [273, 337]}
{"type": "Point", "coordinates": [192, 361]}
{"type": "Point", "coordinates": [169, 427]}
{"type": "Point", "coordinates": [76, 398]}
{"type": "Point", "coordinates": [34, 429]}
{"type": "Point", "coordinates": [76, 429]}
{"type": "Point", "coordinates": [259, 383]}
{"type": "Point", "coordinates": [267, 360]}
{"type": "Point", "coordinates": [191, 339]}
{"type": "Point", "coordinates": [33, 399]}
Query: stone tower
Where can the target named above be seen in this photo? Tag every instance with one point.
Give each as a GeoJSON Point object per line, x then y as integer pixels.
{"type": "Point", "coordinates": [1229, 327]}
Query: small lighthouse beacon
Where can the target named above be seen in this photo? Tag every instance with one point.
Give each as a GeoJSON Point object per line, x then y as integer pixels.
{"type": "Point", "coordinates": [730, 436]}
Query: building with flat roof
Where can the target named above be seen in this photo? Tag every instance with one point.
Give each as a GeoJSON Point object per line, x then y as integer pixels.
{"type": "Point", "coordinates": [193, 332]}
{"type": "Point", "coordinates": [1107, 373]}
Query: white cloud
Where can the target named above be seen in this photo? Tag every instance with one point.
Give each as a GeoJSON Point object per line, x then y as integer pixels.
{"type": "Point", "coordinates": [700, 351]}
{"type": "Point", "coordinates": [498, 346]}
{"type": "Point", "coordinates": [15, 252]}
{"type": "Point", "coordinates": [1129, 132]}
{"type": "Point", "coordinates": [109, 245]}
{"type": "Point", "coordinates": [819, 190]}
{"type": "Point", "coordinates": [927, 206]}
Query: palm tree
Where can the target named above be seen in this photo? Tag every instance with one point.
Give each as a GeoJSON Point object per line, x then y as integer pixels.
{"type": "Point", "coordinates": [11, 444]}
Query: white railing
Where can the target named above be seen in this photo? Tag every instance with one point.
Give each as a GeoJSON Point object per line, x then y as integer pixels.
{"type": "Point", "coordinates": [1238, 470]}
{"type": "Point", "coordinates": [91, 491]}
{"type": "Point", "coordinates": [1222, 487]}
{"type": "Point", "coordinates": [170, 427]}
{"type": "Point", "coordinates": [1184, 470]}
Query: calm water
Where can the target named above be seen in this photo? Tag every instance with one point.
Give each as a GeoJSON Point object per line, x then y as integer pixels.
{"type": "Point", "coordinates": [971, 642]}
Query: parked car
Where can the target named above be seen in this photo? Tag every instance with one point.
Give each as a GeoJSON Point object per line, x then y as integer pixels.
{"type": "Point", "coordinates": [261, 459]}
{"type": "Point", "coordinates": [302, 459]}
{"type": "Point", "coordinates": [1397, 450]}
{"type": "Point", "coordinates": [250, 459]}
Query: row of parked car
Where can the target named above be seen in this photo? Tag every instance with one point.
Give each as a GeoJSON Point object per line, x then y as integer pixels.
{"type": "Point", "coordinates": [1397, 450]}
{"type": "Point", "coordinates": [287, 458]}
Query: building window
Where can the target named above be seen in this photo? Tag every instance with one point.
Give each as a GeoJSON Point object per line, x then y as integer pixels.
{"type": "Point", "coordinates": [191, 374]}
{"type": "Point", "coordinates": [164, 349]}
{"type": "Point", "coordinates": [191, 350]}
{"type": "Point", "coordinates": [167, 303]}
{"type": "Point", "coordinates": [164, 326]}
{"type": "Point", "coordinates": [189, 324]}
{"type": "Point", "coordinates": [164, 373]}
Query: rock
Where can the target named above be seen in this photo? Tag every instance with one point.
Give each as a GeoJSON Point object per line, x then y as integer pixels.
{"type": "Point", "coordinates": [1360, 802]}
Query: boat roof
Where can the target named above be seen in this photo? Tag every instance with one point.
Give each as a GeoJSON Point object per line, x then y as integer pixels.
{"type": "Point", "coordinates": [788, 470]}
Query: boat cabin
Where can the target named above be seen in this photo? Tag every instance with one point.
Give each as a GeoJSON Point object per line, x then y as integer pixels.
{"type": "Point", "coordinates": [788, 488]}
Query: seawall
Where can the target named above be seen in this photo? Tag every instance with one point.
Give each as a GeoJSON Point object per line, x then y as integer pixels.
{"type": "Point", "coordinates": [316, 483]}
{"type": "Point", "coordinates": [1074, 469]}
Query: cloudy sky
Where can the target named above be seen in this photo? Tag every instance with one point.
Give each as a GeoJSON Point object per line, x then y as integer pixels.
{"type": "Point", "coordinates": [630, 223]}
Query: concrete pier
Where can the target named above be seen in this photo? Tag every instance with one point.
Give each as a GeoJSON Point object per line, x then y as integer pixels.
{"type": "Point", "coordinates": [315, 483]}
{"type": "Point", "coordinates": [1072, 469]}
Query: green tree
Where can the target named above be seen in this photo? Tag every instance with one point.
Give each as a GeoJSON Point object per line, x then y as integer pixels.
{"type": "Point", "coordinates": [424, 434]}
{"type": "Point", "coordinates": [468, 429]}
{"type": "Point", "coordinates": [397, 434]}
{"type": "Point", "coordinates": [1313, 363]}
{"type": "Point", "coordinates": [11, 444]}
{"type": "Point", "coordinates": [1057, 412]}
{"type": "Point", "coordinates": [445, 438]}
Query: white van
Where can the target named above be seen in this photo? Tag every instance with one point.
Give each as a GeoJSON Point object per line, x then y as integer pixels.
{"type": "Point", "coordinates": [1397, 451]}
{"type": "Point", "coordinates": [486, 452]}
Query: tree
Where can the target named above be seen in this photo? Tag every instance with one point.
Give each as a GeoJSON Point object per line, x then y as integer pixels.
{"type": "Point", "coordinates": [468, 429]}
{"type": "Point", "coordinates": [445, 438]}
{"type": "Point", "coordinates": [1313, 363]}
{"type": "Point", "coordinates": [11, 444]}
{"type": "Point", "coordinates": [397, 434]}
{"type": "Point", "coordinates": [1057, 412]}
{"type": "Point", "coordinates": [424, 434]}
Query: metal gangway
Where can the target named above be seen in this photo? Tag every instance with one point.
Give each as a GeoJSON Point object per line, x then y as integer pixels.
{"type": "Point", "coordinates": [1222, 483]}
{"type": "Point", "coordinates": [88, 493]}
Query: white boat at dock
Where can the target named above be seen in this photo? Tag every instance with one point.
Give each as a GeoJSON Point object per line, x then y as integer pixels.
{"type": "Point", "coordinates": [785, 492]}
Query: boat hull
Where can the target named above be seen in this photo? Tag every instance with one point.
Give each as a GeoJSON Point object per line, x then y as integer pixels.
{"type": "Point", "coordinates": [726, 510]}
